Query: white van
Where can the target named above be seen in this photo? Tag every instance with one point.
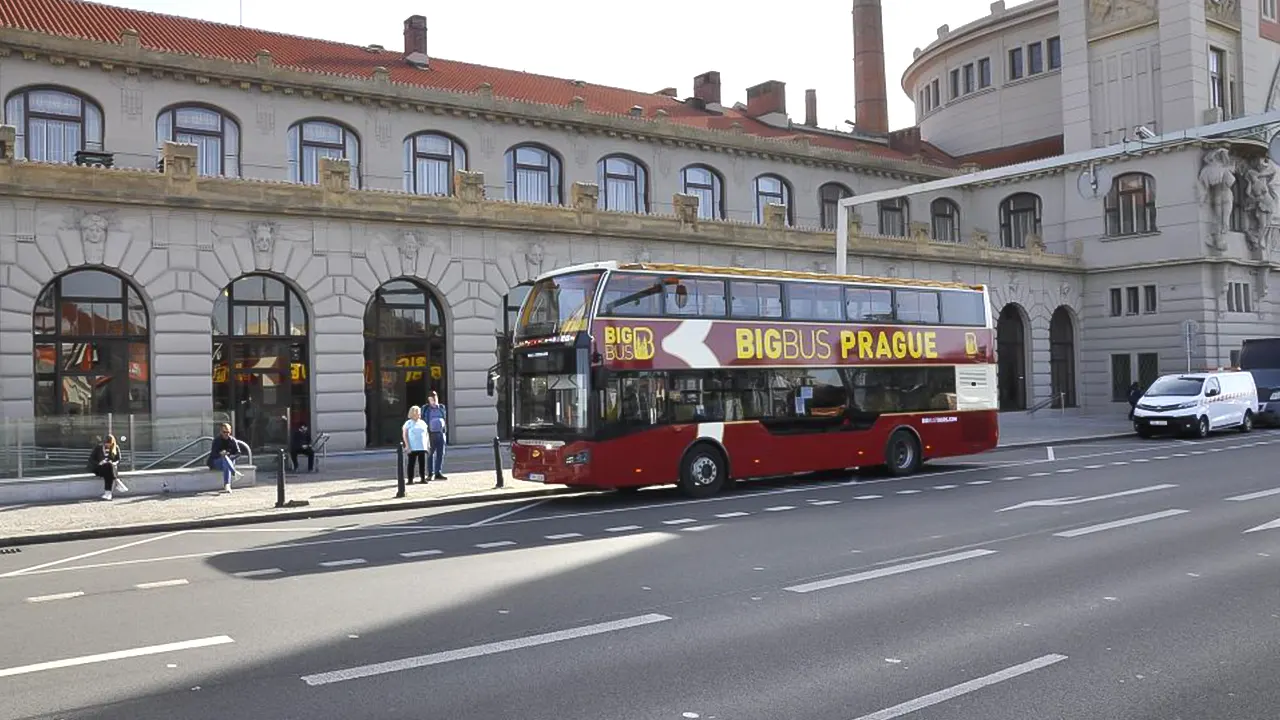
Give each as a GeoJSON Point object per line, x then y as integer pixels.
{"type": "Point", "coordinates": [1197, 403]}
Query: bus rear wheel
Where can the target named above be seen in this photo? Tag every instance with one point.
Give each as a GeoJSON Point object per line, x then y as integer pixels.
{"type": "Point", "coordinates": [702, 471]}
{"type": "Point", "coordinates": [902, 454]}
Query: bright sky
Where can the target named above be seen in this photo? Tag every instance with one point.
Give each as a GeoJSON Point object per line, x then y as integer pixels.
{"type": "Point", "coordinates": [642, 46]}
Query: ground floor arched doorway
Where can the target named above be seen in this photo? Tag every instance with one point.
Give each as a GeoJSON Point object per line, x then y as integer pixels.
{"type": "Point", "coordinates": [1011, 346]}
{"type": "Point", "coordinates": [1062, 358]}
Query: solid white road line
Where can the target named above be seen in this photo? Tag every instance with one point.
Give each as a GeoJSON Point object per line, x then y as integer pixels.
{"type": "Point", "coordinates": [508, 513]}
{"type": "Point", "coordinates": [1119, 523]}
{"type": "Point", "coordinates": [888, 571]}
{"type": "Point", "coordinates": [964, 688]}
{"type": "Point", "coordinates": [495, 544]}
{"type": "Point", "coordinates": [57, 596]}
{"type": "Point", "coordinates": [95, 553]}
{"type": "Point", "coordinates": [1255, 495]}
{"type": "Point", "coordinates": [117, 655]}
{"type": "Point", "coordinates": [564, 536]}
{"type": "Point", "coordinates": [420, 553]}
{"type": "Point", "coordinates": [343, 563]}
{"type": "Point", "coordinates": [258, 573]}
{"type": "Point", "coordinates": [162, 583]}
{"type": "Point", "coordinates": [475, 651]}
{"type": "Point", "coordinates": [1274, 524]}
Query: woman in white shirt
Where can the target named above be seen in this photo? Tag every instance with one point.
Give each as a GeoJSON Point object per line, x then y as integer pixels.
{"type": "Point", "coordinates": [415, 441]}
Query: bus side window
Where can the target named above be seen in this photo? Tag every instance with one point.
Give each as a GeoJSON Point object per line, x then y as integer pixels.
{"type": "Point", "coordinates": [634, 295]}
{"type": "Point", "coordinates": [696, 297]}
{"type": "Point", "coordinates": [815, 302]}
{"type": "Point", "coordinates": [867, 305]}
{"type": "Point", "coordinates": [756, 299]}
{"type": "Point", "coordinates": [963, 307]}
{"type": "Point", "coordinates": [916, 306]}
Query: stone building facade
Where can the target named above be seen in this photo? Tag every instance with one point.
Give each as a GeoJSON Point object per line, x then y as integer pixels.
{"type": "Point", "coordinates": [284, 241]}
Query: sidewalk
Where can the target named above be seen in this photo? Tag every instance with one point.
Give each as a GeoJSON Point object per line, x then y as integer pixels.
{"type": "Point", "coordinates": [364, 482]}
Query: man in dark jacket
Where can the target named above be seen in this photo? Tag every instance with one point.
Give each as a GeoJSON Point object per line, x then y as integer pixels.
{"type": "Point", "coordinates": [1135, 394]}
{"type": "Point", "coordinates": [300, 444]}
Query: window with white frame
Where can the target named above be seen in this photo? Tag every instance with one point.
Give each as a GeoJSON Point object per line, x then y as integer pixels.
{"type": "Point", "coordinates": [1130, 206]}
{"type": "Point", "coordinates": [1269, 10]}
{"type": "Point", "coordinates": [430, 160]}
{"type": "Point", "coordinates": [53, 124]}
{"type": "Point", "coordinates": [1217, 79]}
{"type": "Point", "coordinates": [311, 140]}
{"type": "Point", "coordinates": [215, 135]}
{"type": "Point", "coordinates": [704, 183]}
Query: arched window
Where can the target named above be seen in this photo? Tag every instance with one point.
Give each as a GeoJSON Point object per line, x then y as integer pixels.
{"type": "Point", "coordinates": [53, 124]}
{"type": "Point", "coordinates": [92, 357]}
{"type": "Point", "coordinates": [533, 175]}
{"type": "Point", "coordinates": [894, 216]}
{"type": "Point", "coordinates": [705, 184]}
{"type": "Point", "coordinates": [405, 356]}
{"type": "Point", "coordinates": [1131, 205]}
{"type": "Point", "coordinates": [261, 372]}
{"type": "Point", "coordinates": [772, 190]}
{"type": "Point", "coordinates": [945, 216]}
{"type": "Point", "coordinates": [829, 197]}
{"type": "Point", "coordinates": [311, 140]}
{"type": "Point", "coordinates": [214, 133]}
{"type": "Point", "coordinates": [1019, 219]}
{"type": "Point", "coordinates": [430, 160]}
{"type": "Point", "coordinates": [623, 184]}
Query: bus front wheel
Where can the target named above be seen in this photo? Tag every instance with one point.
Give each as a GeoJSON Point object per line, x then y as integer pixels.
{"type": "Point", "coordinates": [702, 471]}
{"type": "Point", "coordinates": [902, 454]}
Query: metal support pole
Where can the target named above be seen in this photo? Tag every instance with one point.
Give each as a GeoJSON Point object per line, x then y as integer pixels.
{"type": "Point", "coordinates": [20, 430]}
{"type": "Point", "coordinates": [842, 238]}
{"type": "Point", "coordinates": [111, 424]}
{"type": "Point", "coordinates": [280, 479]}
{"type": "Point", "coordinates": [497, 461]}
{"type": "Point", "coordinates": [133, 439]}
{"type": "Point", "coordinates": [400, 470]}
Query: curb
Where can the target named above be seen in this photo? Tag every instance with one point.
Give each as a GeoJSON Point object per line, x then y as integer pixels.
{"type": "Point", "coordinates": [1078, 440]}
{"type": "Point", "coordinates": [271, 516]}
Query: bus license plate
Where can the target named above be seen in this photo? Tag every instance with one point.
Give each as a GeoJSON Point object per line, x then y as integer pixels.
{"type": "Point", "coordinates": [1159, 422]}
{"type": "Point", "coordinates": [537, 477]}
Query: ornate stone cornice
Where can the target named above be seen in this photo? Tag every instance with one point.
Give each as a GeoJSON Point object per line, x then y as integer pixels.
{"type": "Point", "coordinates": [264, 76]}
{"type": "Point", "coordinates": [178, 188]}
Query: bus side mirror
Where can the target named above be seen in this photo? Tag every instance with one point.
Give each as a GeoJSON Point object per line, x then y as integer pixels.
{"type": "Point", "coordinates": [490, 385]}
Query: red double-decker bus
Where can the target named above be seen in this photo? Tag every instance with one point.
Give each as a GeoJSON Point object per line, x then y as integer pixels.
{"type": "Point", "coordinates": [629, 375]}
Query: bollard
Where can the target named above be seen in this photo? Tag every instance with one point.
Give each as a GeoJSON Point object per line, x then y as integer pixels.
{"type": "Point", "coordinates": [497, 461]}
{"type": "Point", "coordinates": [400, 470]}
{"type": "Point", "coordinates": [280, 480]}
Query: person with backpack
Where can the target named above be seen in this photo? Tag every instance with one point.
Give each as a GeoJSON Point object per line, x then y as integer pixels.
{"type": "Point", "coordinates": [104, 462]}
{"type": "Point", "coordinates": [437, 418]}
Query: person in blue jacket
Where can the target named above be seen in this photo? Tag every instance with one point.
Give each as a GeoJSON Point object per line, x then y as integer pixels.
{"type": "Point", "coordinates": [437, 418]}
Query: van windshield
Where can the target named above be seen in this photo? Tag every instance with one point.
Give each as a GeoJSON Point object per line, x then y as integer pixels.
{"type": "Point", "coordinates": [1177, 386]}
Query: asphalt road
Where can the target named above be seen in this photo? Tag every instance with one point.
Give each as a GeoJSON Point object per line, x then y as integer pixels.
{"type": "Point", "coordinates": [1125, 579]}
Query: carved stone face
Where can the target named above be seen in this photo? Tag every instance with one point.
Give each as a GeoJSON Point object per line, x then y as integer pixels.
{"type": "Point", "coordinates": [93, 228]}
{"type": "Point", "coordinates": [263, 236]}
{"type": "Point", "coordinates": [535, 254]}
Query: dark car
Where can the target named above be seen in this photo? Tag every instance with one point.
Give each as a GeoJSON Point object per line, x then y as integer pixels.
{"type": "Point", "coordinates": [1261, 358]}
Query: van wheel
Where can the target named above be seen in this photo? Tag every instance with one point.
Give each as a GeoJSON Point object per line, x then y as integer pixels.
{"type": "Point", "coordinates": [702, 471]}
{"type": "Point", "coordinates": [902, 454]}
{"type": "Point", "coordinates": [1202, 428]}
{"type": "Point", "coordinates": [1247, 424]}
{"type": "Point", "coordinates": [1143, 433]}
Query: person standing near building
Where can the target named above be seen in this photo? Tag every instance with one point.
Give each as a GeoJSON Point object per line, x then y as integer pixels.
{"type": "Point", "coordinates": [438, 424]}
{"type": "Point", "coordinates": [414, 435]}
{"type": "Point", "coordinates": [105, 462]}
{"type": "Point", "coordinates": [1135, 394]}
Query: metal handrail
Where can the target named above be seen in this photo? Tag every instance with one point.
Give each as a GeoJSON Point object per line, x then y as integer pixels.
{"type": "Point", "coordinates": [244, 447]}
{"type": "Point", "coordinates": [191, 444]}
{"type": "Point", "coordinates": [1061, 397]}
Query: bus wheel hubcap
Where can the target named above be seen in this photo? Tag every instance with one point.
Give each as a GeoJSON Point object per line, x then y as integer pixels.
{"type": "Point", "coordinates": [904, 453]}
{"type": "Point", "coordinates": [704, 470]}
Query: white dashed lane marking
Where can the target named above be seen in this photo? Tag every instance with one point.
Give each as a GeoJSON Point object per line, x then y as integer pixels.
{"type": "Point", "coordinates": [495, 544]}
{"type": "Point", "coordinates": [420, 553]}
{"type": "Point", "coordinates": [779, 508]}
{"type": "Point", "coordinates": [679, 521]}
{"type": "Point", "coordinates": [161, 584]}
{"type": "Point", "coordinates": [56, 596]}
{"type": "Point", "coordinates": [868, 497]}
{"type": "Point", "coordinates": [259, 573]}
{"type": "Point", "coordinates": [563, 536]}
{"type": "Point", "coordinates": [732, 515]}
{"type": "Point", "coordinates": [622, 528]}
{"type": "Point", "coordinates": [343, 563]}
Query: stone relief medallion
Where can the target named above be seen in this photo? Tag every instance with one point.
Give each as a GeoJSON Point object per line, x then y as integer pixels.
{"type": "Point", "coordinates": [1111, 16]}
{"type": "Point", "coordinates": [534, 257]}
{"type": "Point", "coordinates": [642, 255]}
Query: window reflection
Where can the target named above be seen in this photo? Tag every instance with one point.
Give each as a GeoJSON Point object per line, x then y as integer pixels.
{"type": "Point", "coordinates": [405, 357]}
{"type": "Point", "coordinates": [91, 358]}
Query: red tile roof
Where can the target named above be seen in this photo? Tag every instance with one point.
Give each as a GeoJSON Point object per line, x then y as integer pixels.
{"type": "Point", "coordinates": [185, 36]}
{"type": "Point", "coordinates": [1014, 154]}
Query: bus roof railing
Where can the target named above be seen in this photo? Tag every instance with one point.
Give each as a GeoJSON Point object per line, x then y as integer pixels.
{"type": "Point", "coordinates": [759, 273]}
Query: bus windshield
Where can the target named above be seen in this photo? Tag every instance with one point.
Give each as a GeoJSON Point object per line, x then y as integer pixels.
{"type": "Point", "coordinates": [551, 391]}
{"type": "Point", "coordinates": [558, 306]}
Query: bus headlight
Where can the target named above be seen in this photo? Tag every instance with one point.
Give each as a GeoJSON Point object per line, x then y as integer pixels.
{"type": "Point", "coordinates": [1275, 394]}
{"type": "Point", "coordinates": [581, 458]}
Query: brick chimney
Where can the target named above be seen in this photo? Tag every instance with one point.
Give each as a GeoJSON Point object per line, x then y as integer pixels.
{"type": "Point", "coordinates": [811, 108]}
{"type": "Point", "coordinates": [767, 98]}
{"type": "Point", "coordinates": [706, 87]}
{"type": "Point", "coordinates": [870, 92]}
{"type": "Point", "coordinates": [415, 35]}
